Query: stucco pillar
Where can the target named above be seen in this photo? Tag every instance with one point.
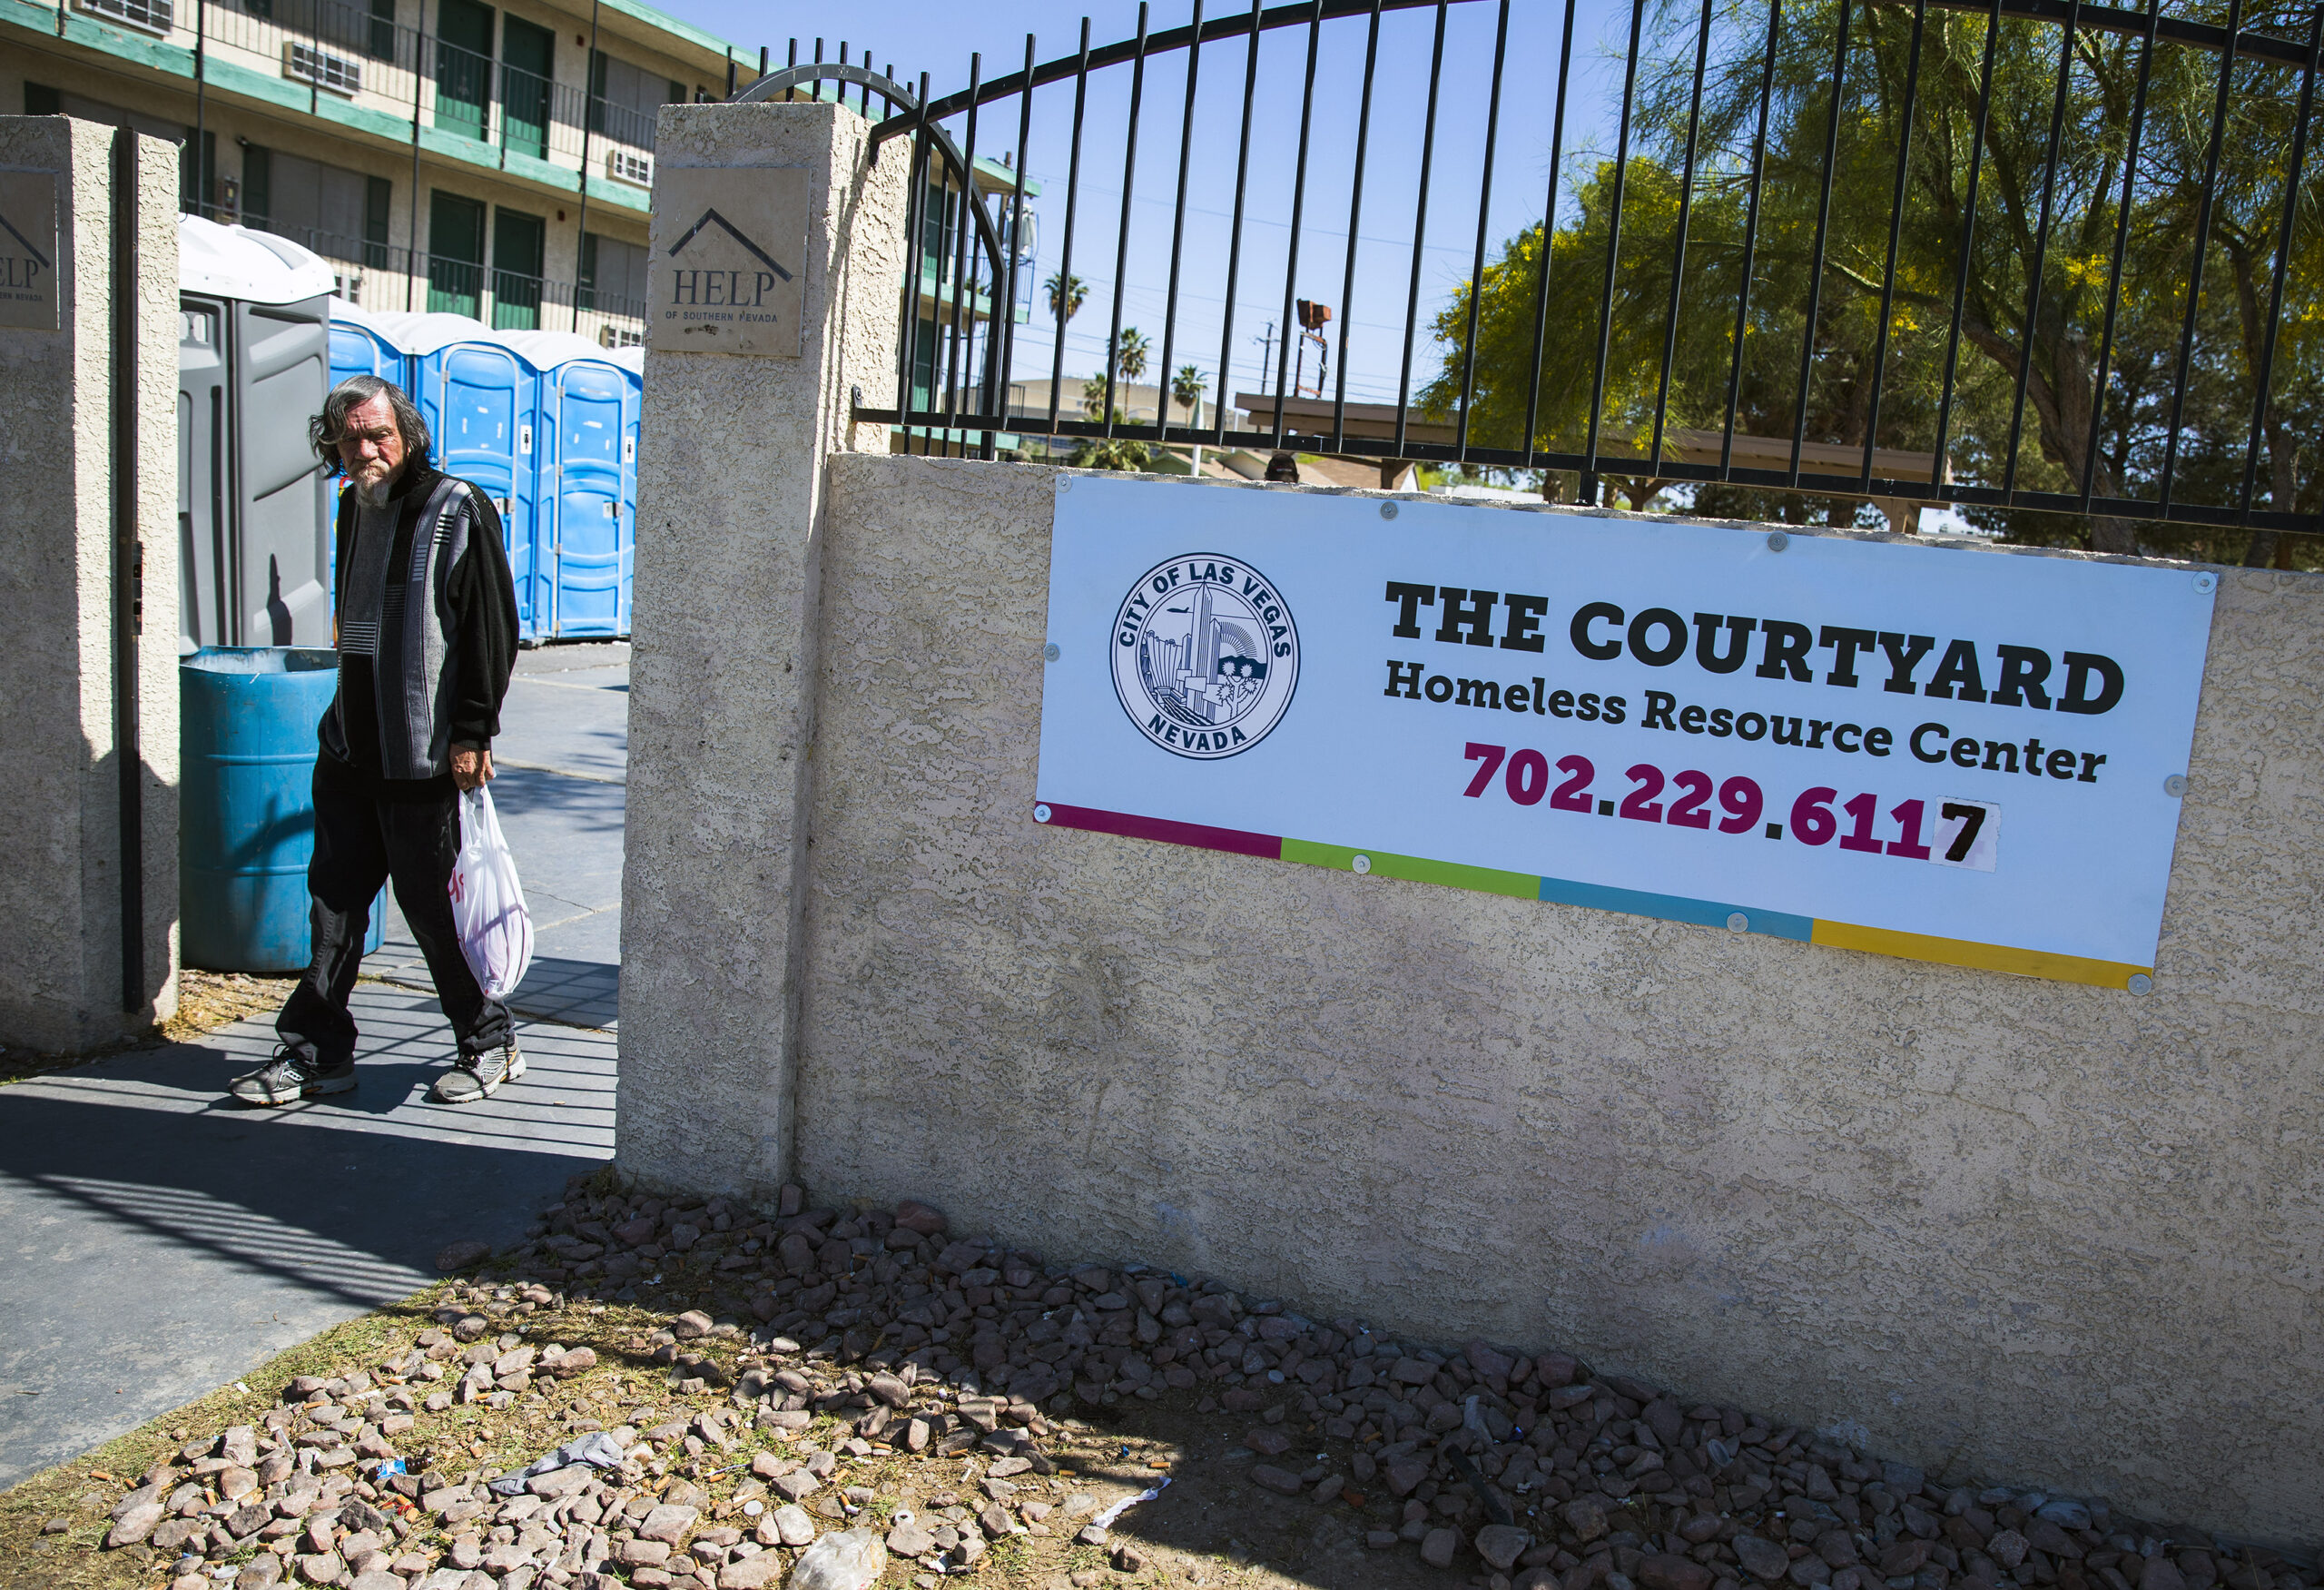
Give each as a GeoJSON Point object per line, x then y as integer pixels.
{"type": "Point", "coordinates": [789, 203]}
{"type": "Point", "coordinates": [72, 975]}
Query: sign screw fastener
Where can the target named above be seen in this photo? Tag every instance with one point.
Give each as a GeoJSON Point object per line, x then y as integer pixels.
{"type": "Point", "coordinates": [2176, 785]}
{"type": "Point", "coordinates": [1737, 923]}
{"type": "Point", "coordinates": [1050, 653]}
{"type": "Point", "coordinates": [1362, 864]}
{"type": "Point", "coordinates": [1041, 814]}
{"type": "Point", "coordinates": [1777, 540]}
{"type": "Point", "coordinates": [2141, 982]}
{"type": "Point", "coordinates": [2205, 584]}
{"type": "Point", "coordinates": [1387, 510]}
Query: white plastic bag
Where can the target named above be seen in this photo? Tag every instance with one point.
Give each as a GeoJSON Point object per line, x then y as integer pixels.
{"type": "Point", "coordinates": [487, 901]}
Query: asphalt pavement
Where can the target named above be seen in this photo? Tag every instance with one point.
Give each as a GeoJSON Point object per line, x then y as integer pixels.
{"type": "Point", "coordinates": [160, 1243]}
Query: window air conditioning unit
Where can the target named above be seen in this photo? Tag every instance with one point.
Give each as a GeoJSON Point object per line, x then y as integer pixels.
{"type": "Point", "coordinates": [623, 165]}
{"type": "Point", "coordinates": [152, 15]}
{"type": "Point", "coordinates": [336, 73]}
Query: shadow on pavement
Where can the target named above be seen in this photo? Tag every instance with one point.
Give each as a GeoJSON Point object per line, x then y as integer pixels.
{"type": "Point", "coordinates": [162, 1242]}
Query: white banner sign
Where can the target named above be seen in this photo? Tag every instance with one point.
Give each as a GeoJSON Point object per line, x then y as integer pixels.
{"type": "Point", "coordinates": [1951, 754]}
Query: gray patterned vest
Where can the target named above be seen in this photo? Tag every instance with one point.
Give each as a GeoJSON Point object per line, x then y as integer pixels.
{"type": "Point", "coordinates": [400, 619]}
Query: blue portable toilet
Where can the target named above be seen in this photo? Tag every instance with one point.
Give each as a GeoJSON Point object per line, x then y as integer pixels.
{"type": "Point", "coordinates": [589, 406]}
{"type": "Point", "coordinates": [480, 400]}
{"type": "Point", "coordinates": [360, 345]}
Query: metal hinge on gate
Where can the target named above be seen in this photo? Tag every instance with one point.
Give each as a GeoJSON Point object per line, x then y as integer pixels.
{"type": "Point", "coordinates": [137, 587]}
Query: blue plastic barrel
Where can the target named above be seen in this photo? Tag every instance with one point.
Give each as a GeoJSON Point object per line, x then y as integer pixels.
{"type": "Point", "coordinates": [246, 827]}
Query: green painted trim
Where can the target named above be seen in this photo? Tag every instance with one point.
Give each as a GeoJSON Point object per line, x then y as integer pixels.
{"type": "Point", "coordinates": [621, 195]}
{"type": "Point", "coordinates": [32, 18]}
{"type": "Point", "coordinates": [534, 169]}
{"type": "Point", "coordinates": [363, 119]}
{"type": "Point", "coordinates": [126, 44]}
{"type": "Point", "coordinates": [231, 77]}
{"type": "Point", "coordinates": [638, 12]}
{"type": "Point", "coordinates": [456, 146]}
{"type": "Point", "coordinates": [1006, 176]}
{"type": "Point", "coordinates": [1483, 880]}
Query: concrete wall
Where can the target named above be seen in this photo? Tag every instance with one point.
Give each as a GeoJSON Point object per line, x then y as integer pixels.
{"type": "Point", "coordinates": [60, 888]}
{"type": "Point", "coordinates": [730, 507]}
{"type": "Point", "coordinates": [2001, 1227]}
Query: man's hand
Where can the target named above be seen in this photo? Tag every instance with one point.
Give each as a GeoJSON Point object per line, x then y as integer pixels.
{"type": "Point", "coordinates": [471, 767]}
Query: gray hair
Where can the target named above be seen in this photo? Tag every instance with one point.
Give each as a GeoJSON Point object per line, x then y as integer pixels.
{"type": "Point", "coordinates": [325, 430]}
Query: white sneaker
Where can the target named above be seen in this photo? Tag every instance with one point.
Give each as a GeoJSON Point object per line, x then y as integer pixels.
{"type": "Point", "coordinates": [480, 1076]}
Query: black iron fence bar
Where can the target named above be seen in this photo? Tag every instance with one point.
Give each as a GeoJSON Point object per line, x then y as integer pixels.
{"type": "Point", "coordinates": [1895, 232]}
{"type": "Point", "coordinates": [1968, 236]}
{"type": "Point", "coordinates": [2095, 18]}
{"type": "Point", "coordinates": [1162, 383]}
{"type": "Point", "coordinates": [1061, 308]}
{"type": "Point", "coordinates": [1007, 361]}
{"type": "Point", "coordinates": [1823, 235]}
{"type": "Point", "coordinates": [954, 350]}
{"type": "Point", "coordinates": [916, 226]}
{"type": "Point", "coordinates": [1548, 236]}
{"type": "Point", "coordinates": [1420, 225]}
{"type": "Point", "coordinates": [1354, 220]}
{"type": "Point", "coordinates": [2041, 257]}
{"type": "Point", "coordinates": [2122, 242]}
{"type": "Point", "coordinates": [1589, 493]}
{"type": "Point", "coordinates": [1750, 232]}
{"type": "Point", "coordinates": [1484, 215]}
{"type": "Point", "coordinates": [2283, 252]}
{"type": "Point", "coordinates": [1679, 244]}
{"type": "Point", "coordinates": [1299, 206]}
{"type": "Point", "coordinates": [1299, 13]}
{"type": "Point", "coordinates": [1129, 189]}
{"type": "Point", "coordinates": [2202, 243]}
{"type": "Point", "coordinates": [1235, 234]}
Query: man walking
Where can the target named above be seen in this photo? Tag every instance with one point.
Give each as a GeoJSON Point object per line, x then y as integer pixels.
{"type": "Point", "coordinates": [427, 639]}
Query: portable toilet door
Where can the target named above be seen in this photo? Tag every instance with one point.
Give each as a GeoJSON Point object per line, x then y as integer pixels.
{"type": "Point", "coordinates": [596, 408]}
{"type": "Point", "coordinates": [478, 400]}
{"type": "Point", "coordinates": [253, 364]}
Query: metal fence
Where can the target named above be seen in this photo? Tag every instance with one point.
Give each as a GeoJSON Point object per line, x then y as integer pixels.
{"type": "Point", "coordinates": [2009, 255]}
{"type": "Point", "coordinates": [378, 276]}
{"type": "Point", "coordinates": [351, 52]}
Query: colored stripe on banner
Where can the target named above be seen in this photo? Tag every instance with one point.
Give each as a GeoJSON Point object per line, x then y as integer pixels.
{"type": "Point", "coordinates": [1234, 841]}
{"type": "Point", "coordinates": [1912, 946]}
{"type": "Point", "coordinates": [1601, 897]}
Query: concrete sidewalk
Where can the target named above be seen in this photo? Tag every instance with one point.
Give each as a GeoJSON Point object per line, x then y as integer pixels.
{"type": "Point", "coordinates": [160, 1244]}
{"type": "Point", "coordinates": [562, 762]}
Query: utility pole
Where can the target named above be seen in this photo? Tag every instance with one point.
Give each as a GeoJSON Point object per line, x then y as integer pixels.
{"type": "Point", "coordinates": [1267, 352]}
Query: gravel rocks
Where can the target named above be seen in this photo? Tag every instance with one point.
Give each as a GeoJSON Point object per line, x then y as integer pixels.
{"type": "Point", "coordinates": [819, 1349]}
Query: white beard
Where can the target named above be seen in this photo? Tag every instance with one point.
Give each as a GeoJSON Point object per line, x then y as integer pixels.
{"type": "Point", "coordinates": [374, 493]}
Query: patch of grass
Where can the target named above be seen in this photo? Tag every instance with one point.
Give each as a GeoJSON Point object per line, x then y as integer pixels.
{"type": "Point", "coordinates": [71, 1561]}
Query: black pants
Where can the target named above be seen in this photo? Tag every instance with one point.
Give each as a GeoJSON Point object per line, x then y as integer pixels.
{"type": "Point", "coordinates": [360, 843]}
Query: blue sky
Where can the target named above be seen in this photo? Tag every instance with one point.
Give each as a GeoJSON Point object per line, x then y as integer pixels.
{"type": "Point", "coordinates": [919, 36]}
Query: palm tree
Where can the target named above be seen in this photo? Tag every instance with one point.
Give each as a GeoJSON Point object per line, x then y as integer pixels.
{"type": "Point", "coordinates": [1066, 293]}
{"type": "Point", "coordinates": [1186, 390]}
{"type": "Point", "coordinates": [1130, 351]}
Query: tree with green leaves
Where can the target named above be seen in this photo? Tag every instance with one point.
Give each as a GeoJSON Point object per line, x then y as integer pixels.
{"type": "Point", "coordinates": [1130, 353]}
{"type": "Point", "coordinates": [2028, 248]}
{"type": "Point", "coordinates": [1186, 387]}
{"type": "Point", "coordinates": [1065, 295]}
